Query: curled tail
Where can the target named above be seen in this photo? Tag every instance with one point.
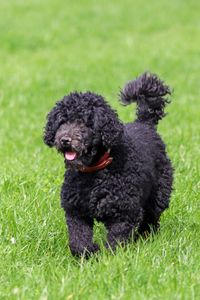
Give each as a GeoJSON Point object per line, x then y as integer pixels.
{"type": "Point", "coordinates": [149, 92]}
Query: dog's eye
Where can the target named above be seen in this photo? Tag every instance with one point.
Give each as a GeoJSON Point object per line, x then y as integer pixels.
{"type": "Point", "coordinates": [78, 137]}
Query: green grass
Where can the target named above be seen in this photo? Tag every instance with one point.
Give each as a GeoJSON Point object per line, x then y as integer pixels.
{"type": "Point", "coordinates": [49, 48]}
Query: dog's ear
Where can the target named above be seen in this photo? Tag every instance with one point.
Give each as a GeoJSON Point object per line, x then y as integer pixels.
{"type": "Point", "coordinates": [54, 120]}
{"type": "Point", "coordinates": [108, 126]}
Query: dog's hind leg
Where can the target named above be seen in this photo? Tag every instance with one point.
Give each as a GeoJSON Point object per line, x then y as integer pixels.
{"type": "Point", "coordinates": [158, 200]}
{"type": "Point", "coordinates": [119, 232]}
{"type": "Point", "coordinates": [149, 224]}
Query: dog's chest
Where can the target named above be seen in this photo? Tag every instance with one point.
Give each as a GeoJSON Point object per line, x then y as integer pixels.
{"type": "Point", "coordinates": [98, 196]}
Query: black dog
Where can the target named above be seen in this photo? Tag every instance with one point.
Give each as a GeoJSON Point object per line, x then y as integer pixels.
{"type": "Point", "coordinates": [117, 174]}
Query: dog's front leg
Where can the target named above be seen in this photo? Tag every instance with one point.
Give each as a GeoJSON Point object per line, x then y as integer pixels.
{"type": "Point", "coordinates": [119, 232]}
{"type": "Point", "coordinates": [80, 235]}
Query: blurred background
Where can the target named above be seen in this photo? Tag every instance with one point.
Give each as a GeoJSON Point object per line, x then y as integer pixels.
{"type": "Point", "coordinates": [49, 48]}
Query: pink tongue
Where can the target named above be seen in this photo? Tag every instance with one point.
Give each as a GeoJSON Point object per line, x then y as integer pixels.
{"type": "Point", "coordinates": [70, 155]}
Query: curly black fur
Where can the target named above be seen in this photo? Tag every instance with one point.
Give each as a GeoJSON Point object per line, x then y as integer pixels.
{"type": "Point", "coordinates": [131, 193]}
{"type": "Point", "coordinates": [148, 91]}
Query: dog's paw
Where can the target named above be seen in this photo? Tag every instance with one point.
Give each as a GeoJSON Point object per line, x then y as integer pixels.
{"type": "Point", "coordinates": [94, 248]}
{"type": "Point", "coordinates": [86, 251]}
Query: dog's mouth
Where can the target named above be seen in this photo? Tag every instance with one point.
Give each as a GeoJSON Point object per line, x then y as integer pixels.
{"type": "Point", "coordinates": [70, 155]}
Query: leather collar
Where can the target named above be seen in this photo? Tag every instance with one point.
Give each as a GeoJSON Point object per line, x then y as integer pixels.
{"type": "Point", "coordinates": [103, 162]}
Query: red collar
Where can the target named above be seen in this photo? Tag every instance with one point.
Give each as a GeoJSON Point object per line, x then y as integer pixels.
{"type": "Point", "coordinates": [103, 162]}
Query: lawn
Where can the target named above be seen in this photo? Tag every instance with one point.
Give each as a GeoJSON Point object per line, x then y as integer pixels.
{"type": "Point", "coordinates": [49, 48]}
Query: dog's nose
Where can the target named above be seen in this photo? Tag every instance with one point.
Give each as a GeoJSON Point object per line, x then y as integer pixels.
{"type": "Point", "coordinates": [65, 141]}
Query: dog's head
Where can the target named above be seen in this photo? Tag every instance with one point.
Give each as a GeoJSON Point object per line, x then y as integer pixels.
{"type": "Point", "coordinates": [81, 126]}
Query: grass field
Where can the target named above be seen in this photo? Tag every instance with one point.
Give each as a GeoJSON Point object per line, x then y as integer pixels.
{"type": "Point", "coordinates": [49, 48]}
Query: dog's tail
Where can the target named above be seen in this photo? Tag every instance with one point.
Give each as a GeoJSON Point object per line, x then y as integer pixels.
{"type": "Point", "coordinates": [149, 92]}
